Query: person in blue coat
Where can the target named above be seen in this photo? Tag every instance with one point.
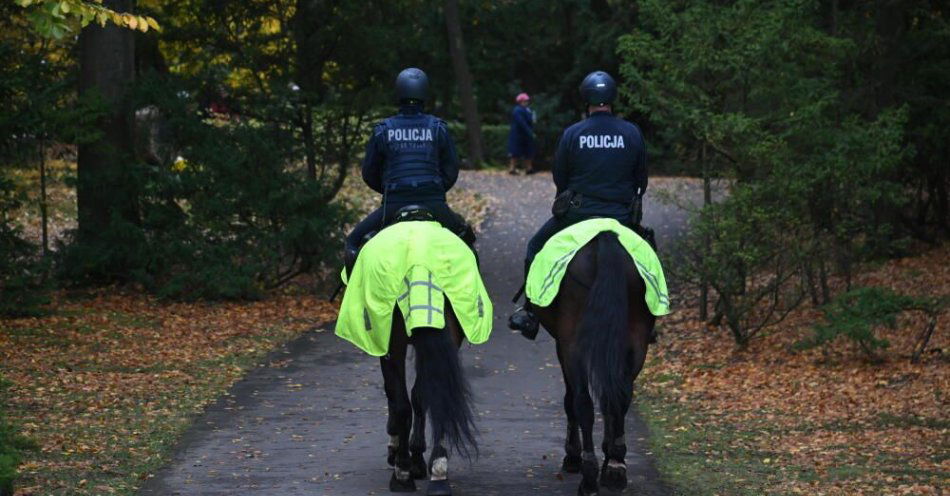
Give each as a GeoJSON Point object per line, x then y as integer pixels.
{"type": "Point", "coordinates": [600, 170]}
{"type": "Point", "coordinates": [521, 136]}
{"type": "Point", "coordinates": [410, 160]}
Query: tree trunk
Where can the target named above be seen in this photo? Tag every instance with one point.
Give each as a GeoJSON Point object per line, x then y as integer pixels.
{"type": "Point", "coordinates": [707, 200]}
{"type": "Point", "coordinates": [473, 125]}
{"type": "Point", "coordinates": [106, 67]}
{"type": "Point", "coordinates": [43, 207]}
{"type": "Point", "coordinates": [312, 46]}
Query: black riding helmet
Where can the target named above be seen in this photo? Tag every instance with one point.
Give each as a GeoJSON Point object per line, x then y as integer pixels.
{"type": "Point", "coordinates": [412, 84]}
{"type": "Point", "coordinates": [598, 88]}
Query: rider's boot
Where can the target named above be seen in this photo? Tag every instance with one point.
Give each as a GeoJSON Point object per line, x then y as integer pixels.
{"type": "Point", "coordinates": [524, 320]}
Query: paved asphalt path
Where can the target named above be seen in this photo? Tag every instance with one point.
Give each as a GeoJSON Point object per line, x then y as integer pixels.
{"type": "Point", "coordinates": [313, 422]}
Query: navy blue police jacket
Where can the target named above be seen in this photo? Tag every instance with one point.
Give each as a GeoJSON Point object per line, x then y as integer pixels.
{"type": "Point", "coordinates": [411, 156]}
{"type": "Point", "coordinates": [603, 158]}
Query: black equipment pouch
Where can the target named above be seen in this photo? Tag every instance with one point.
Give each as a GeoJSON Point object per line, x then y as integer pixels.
{"type": "Point", "coordinates": [636, 210]}
{"type": "Point", "coordinates": [563, 203]}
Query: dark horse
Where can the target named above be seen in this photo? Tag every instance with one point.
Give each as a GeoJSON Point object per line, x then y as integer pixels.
{"type": "Point", "coordinates": [601, 324]}
{"type": "Point", "coordinates": [441, 390]}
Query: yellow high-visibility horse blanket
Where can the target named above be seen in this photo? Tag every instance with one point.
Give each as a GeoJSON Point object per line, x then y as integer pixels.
{"type": "Point", "coordinates": [550, 265]}
{"type": "Point", "coordinates": [414, 266]}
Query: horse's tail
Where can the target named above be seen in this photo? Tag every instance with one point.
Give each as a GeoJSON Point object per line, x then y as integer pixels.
{"type": "Point", "coordinates": [603, 341]}
{"type": "Point", "coordinates": [445, 391]}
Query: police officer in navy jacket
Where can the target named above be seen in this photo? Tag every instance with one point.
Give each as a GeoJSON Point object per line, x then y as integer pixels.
{"type": "Point", "coordinates": [600, 170]}
{"type": "Point", "coordinates": [410, 160]}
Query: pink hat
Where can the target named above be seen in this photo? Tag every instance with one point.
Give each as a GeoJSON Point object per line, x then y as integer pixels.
{"type": "Point", "coordinates": [522, 97]}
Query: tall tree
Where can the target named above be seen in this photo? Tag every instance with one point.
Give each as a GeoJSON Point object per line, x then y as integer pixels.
{"type": "Point", "coordinates": [106, 68]}
{"type": "Point", "coordinates": [463, 76]}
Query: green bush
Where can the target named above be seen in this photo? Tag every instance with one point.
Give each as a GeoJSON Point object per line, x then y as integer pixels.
{"type": "Point", "coordinates": [494, 141]}
{"type": "Point", "coordinates": [234, 217]}
{"type": "Point", "coordinates": [854, 315]}
{"type": "Point", "coordinates": [22, 287]}
{"type": "Point", "coordinates": [12, 447]}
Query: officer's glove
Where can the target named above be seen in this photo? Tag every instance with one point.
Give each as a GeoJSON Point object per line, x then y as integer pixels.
{"type": "Point", "coordinates": [467, 234]}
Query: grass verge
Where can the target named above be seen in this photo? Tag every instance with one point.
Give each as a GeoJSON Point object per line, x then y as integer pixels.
{"type": "Point", "coordinates": [107, 382]}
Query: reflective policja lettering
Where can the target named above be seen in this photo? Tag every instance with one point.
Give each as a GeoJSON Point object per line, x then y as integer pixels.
{"type": "Point", "coordinates": [601, 141]}
{"type": "Point", "coordinates": [409, 134]}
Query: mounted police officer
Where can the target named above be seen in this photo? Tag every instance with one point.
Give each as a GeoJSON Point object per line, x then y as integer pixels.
{"type": "Point", "coordinates": [600, 170]}
{"type": "Point", "coordinates": [410, 160]}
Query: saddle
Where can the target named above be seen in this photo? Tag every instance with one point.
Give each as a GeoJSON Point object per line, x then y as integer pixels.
{"type": "Point", "coordinates": [411, 213]}
{"type": "Point", "coordinates": [405, 214]}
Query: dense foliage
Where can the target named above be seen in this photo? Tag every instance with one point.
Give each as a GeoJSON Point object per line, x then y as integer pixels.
{"type": "Point", "coordinates": [761, 94]}
{"type": "Point", "coordinates": [22, 285]}
{"type": "Point", "coordinates": [826, 118]}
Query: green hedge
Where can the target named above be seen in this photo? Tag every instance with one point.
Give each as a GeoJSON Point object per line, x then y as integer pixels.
{"type": "Point", "coordinates": [231, 220]}
{"type": "Point", "coordinates": [494, 141]}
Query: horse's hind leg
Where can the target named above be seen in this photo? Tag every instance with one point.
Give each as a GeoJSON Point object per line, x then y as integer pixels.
{"type": "Point", "coordinates": [584, 409]}
{"type": "Point", "coordinates": [400, 419]}
{"type": "Point", "coordinates": [572, 443]}
{"type": "Point", "coordinates": [439, 457]}
{"type": "Point", "coordinates": [417, 443]}
{"type": "Point", "coordinates": [439, 471]}
{"type": "Point", "coordinates": [613, 474]}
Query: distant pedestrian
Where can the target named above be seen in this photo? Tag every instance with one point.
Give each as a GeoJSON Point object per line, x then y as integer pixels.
{"type": "Point", "coordinates": [521, 136]}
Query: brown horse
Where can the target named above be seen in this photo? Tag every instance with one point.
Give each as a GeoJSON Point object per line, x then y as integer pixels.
{"type": "Point", "coordinates": [441, 390]}
{"type": "Point", "coordinates": [602, 326]}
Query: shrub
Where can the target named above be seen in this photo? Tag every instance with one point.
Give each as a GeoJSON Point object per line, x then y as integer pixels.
{"type": "Point", "coordinates": [22, 286]}
{"type": "Point", "coordinates": [749, 253]}
{"type": "Point", "coordinates": [854, 315]}
{"type": "Point", "coordinates": [494, 141]}
{"type": "Point", "coordinates": [236, 215]}
{"type": "Point", "coordinates": [12, 447]}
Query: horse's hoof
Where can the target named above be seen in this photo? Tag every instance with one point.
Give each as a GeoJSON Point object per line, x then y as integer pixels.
{"type": "Point", "coordinates": [614, 476]}
{"type": "Point", "coordinates": [581, 491]}
{"type": "Point", "coordinates": [418, 469]}
{"type": "Point", "coordinates": [571, 464]}
{"type": "Point", "coordinates": [439, 488]}
{"type": "Point", "coordinates": [589, 472]}
{"type": "Point", "coordinates": [402, 486]}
